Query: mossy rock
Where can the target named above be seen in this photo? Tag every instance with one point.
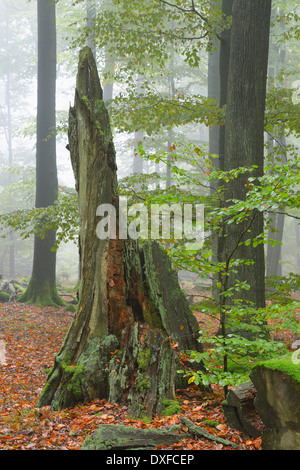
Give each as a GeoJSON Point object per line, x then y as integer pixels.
{"type": "Point", "coordinates": [4, 297]}
{"type": "Point", "coordinates": [277, 401]}
{"type": "Point", "coordinates": [121, 437]}
{"type": "Point", "coordinates": [285, 364]}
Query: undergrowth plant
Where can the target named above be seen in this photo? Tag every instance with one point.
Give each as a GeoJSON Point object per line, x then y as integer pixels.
{"type": "Point", "coordinates": [230, 355]}
{"type": "Point", "coordinates": [246, 335]}
{"type": "Point", "coordinates": [228, 358]}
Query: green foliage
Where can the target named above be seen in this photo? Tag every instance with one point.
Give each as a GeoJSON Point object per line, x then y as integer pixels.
{"type": "Point", "coordinates": [282, 110]}
{"type": "Point", "coordinates": [289, 15]}
{"type": "Point", "coordinates": [142, 32]}
{"type": "Point", "coordinates": [280, 288]}
{"type": "Point", "coordinates": [230, 356]}
{"type": "Point", "coordinates": [241, 355]}
{"type": "Point", "coordinates": [62, 217]}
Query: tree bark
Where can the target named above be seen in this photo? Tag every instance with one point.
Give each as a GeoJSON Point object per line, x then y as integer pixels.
{"type": "Point", "coordinates": [42, 286]}
{"type": "Point", "coordinates": [297, 233]}
{"type": "Point", "coordinates": [213, 92]}
{"type": "Point", "coordinates": [274, 267]}
{"type": "Point", "coordinates": [10, 163]}
{"type": "Point", "coordinates": [132, 316]}
{"type": "Point", "coordinates": [223, 71]}
{"type": "Point", "coordinates": [91, 16]}
{"type": "Point", "coordinates": [244, 140]}
{"type": "Point", "coordinates": [138, 161]}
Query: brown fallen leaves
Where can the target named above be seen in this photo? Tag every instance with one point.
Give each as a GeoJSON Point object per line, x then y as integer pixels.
{"type": "Point", "coordinates": [33, 336]}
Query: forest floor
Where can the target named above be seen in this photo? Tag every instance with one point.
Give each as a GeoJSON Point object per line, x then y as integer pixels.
{"type": "Point", "coordinates": [32, 336]}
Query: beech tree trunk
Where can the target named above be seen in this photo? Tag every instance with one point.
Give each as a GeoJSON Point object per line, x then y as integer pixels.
{"type": "Point", "coordinates": [223, 72]}
{"type": "Point", "coordinates": [42, 286]}
{"type": "Point", "coordinates": [276, 142]}
{"type": "Point", "coordinates": [132, 317]}
{"type": "Point", "coordinates": [244, 140]}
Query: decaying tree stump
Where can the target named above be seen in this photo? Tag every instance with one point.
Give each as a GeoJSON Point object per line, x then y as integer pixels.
{"type": "Point", "coordinates": [131, 308]}
{"type": "Point", "coordinates": [239, 410]}
{"type": "Point", "coordinates": [277, 402]}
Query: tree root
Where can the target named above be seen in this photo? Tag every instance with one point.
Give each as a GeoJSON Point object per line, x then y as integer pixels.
{"type": "Point", "coordinates": [198, 431]}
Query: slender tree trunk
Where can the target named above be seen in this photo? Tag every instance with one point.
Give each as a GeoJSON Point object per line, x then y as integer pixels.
{"type": "Point", "coordinates": [213, 92]}
{"type": "Point", "coordinates": [297, 232]}
{"type": "Point", "coordinates": [276, 222]}
{"type": "Point", "coordinates": [274, 252]}
{"type": "Point", "coordinates": [131, 309]}
{"type": "Point", "coordinates": [274, 268]}
{"type": "Point", "coordinates": [224, 70]}
{"type": "Point", "coordinates": [244, 138]}
{"type": "Point", "coordinates": [10, 163]}
{"type": "Point", "coordinates": [42, 286]}
{"type": "Point", "coordinates": [9, 137]}
{"type": "Point", "coordinates": [169, 161]}
{"type": "Point", "coordinates": [172, 93]}
{"type": "Point", "coordinates": [109, 84]}
{"type": "Point", "coordinates": [224, 57]}
{"type": "Point", "coordinates": [138, 161]}
{"type": "Point", "coordinates": [91, 14]}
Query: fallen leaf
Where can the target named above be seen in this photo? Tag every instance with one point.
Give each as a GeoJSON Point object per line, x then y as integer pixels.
{"type": "Point", "coordinates": [221, 427]}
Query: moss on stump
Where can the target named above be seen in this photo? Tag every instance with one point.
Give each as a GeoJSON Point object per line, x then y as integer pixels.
{"type": "Point", "coordinates": [42, 294]}
{"type": "Point", "coordinates": [4, 297]}
{"type": "Point", "coordinates": [121, 437]}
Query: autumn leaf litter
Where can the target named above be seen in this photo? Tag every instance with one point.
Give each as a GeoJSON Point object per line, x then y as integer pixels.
{"type": "Point", "coordinates": [32, 337]}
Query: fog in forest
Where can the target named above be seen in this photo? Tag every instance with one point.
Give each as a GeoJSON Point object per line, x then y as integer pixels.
{"type": "Point", "coordinates": [18, 113]}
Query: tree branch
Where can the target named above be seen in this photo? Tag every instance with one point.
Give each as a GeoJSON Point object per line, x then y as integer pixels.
{"type": "Point", "coordinates": [190, 10]}
{"type": "Point", "coordinates": [198, 431]}
{"type": "Point", "coordinates": [284, 213]}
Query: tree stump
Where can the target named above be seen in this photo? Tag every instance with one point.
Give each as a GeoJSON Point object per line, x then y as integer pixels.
{"type": "Point", "coordinates": [131, 309]}
{"type": "Point", "coordinates": [278, 403]}
{"type": "Point", "coordinates": [4, 297]}
{"type": "Point", "coordinates": [240, 412]}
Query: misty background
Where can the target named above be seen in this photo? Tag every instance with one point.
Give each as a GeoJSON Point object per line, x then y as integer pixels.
{"type": "Point", "coordinates": [18, 103]}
